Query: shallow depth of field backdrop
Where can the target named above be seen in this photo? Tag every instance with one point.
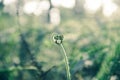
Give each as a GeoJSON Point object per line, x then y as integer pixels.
{"type": "Point", "coordinates": [91, 30]}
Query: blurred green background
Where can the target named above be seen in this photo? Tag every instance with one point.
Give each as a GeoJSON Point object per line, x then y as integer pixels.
{"type": "Point", "coordinates": [91, 30]}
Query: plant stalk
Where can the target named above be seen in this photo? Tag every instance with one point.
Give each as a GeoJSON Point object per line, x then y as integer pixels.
{"type": "Point", "coordinates": [66, 62]}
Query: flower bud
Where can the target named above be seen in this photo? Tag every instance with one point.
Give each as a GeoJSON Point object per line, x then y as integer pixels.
{"type": "Point", "coordinates": [58, 38]}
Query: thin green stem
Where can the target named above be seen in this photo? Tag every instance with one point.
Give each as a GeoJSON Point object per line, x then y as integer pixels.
{"type": "Point", "coordinates": [66, 62]}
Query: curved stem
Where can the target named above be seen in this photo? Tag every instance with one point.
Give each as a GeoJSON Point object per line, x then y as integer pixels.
{"type": "Point", "coordinates": [66, 62]}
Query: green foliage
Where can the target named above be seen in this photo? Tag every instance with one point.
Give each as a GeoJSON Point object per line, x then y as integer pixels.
{"type": "Point", "coordinates": [110, 65]}
{"type": "Point", "coordinates": [29, 53]}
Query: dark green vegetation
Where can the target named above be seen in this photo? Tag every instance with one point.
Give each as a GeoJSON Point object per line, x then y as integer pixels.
{"type": "Point", "coordinates": [29, 53]}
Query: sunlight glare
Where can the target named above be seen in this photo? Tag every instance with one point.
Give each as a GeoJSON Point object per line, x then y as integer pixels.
{"type": "Point", "coordinates": [56, 3]}
{"type": "Point", "coordinates": [36, 7]}
{"type": "Point", "coordinates": [64, 3]}
{"type": "Point", "coordinates": [92, 5]}
{"type": "Point", "coordinates": [68, 3]}
{"type": "Point", "coordinates": [30, 7]}
{"type": "Point", "coordinates": [44, 5]}
{"type": "Point", "coordinates": [7, 2]}
{"type": "Point", "coordinates": [109, 7]}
